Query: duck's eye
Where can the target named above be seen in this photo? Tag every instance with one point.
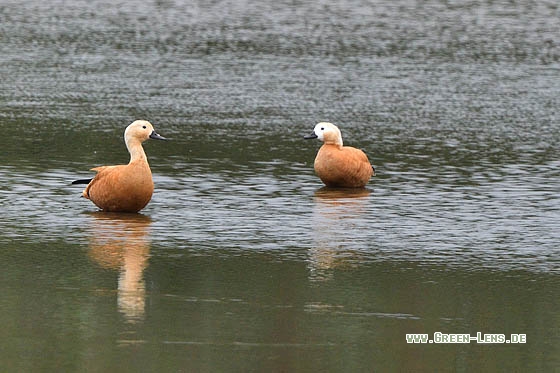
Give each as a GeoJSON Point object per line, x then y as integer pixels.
{"type": "Point", "coordinates": [322, 128]}
{"type": "Point", "coordinates": [144, 127]}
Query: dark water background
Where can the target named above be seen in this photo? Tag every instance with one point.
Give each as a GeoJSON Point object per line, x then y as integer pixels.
{"type": "Point", "coordinates": [241, 262]}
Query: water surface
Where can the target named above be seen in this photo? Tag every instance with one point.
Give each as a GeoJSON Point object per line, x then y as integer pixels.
{"type": "Point", "coordinates": [242, 261]}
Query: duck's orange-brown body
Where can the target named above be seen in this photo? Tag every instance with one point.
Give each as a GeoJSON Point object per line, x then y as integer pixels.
{"type": "Point", "coordinates": [125, 188]}
{"type": "Point", "coordinates": [343, 166]}
{"type": "Point", "coordinates": [339, 166]}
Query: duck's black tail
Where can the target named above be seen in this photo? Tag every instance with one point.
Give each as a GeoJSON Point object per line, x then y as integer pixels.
{"type": "Point", "coordinates": [81, 181]}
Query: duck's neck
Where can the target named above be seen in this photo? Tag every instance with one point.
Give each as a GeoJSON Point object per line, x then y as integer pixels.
{"type": "Point", "coordinates": [338, 144]}
{"type": "Point", "coordinates": [333, 139]}
{"type": "Point", "coordinates": [136, 151]}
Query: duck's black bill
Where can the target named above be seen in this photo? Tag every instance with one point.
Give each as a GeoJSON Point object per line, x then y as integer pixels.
{"type": "Point", "coordinates": [312, 136]}
{"type": "Point", "coordinates": [156, 136]}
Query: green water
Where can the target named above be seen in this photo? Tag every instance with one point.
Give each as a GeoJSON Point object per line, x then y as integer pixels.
{"type": "Point", "coordinates": [242, 262]}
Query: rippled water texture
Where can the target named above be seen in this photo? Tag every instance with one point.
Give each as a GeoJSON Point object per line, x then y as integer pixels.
{"type": "Point", "coordinates": [242, 261]}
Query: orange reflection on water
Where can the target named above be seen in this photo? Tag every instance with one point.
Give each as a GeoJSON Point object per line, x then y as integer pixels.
{"type": "Point", "coordinates": [121, 242]}
{"type": "Point", "coordinates": [333, 215]}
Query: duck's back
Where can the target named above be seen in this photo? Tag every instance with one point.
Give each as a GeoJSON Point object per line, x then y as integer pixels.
{"type": "Point", "coordinates": [344, 167]}
{"type": "Point", "coordinates": [123, 188]}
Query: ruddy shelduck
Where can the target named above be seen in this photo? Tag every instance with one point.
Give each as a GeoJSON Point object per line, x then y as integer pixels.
{"type": "Point", "coordinates": [336, 165]}
{"type": "Point", "coordinates": [125, 188]}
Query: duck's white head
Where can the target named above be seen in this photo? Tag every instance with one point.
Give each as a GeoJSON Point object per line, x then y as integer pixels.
{"type": "Point", "coordinates": [327, 133]}
{"type": "Point", "coordinates": [140, 130]}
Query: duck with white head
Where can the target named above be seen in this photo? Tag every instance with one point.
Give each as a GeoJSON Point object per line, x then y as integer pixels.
{"type": "Point", "coordinates": [339, 166]}
{"type": "Point", "coordinates": [125, 188]}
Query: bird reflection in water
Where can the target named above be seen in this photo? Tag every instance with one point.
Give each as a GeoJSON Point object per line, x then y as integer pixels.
{"type": "Point", "coordinates": [121, 242]}
{"type": "Point", "coordinates": [335, 215]}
